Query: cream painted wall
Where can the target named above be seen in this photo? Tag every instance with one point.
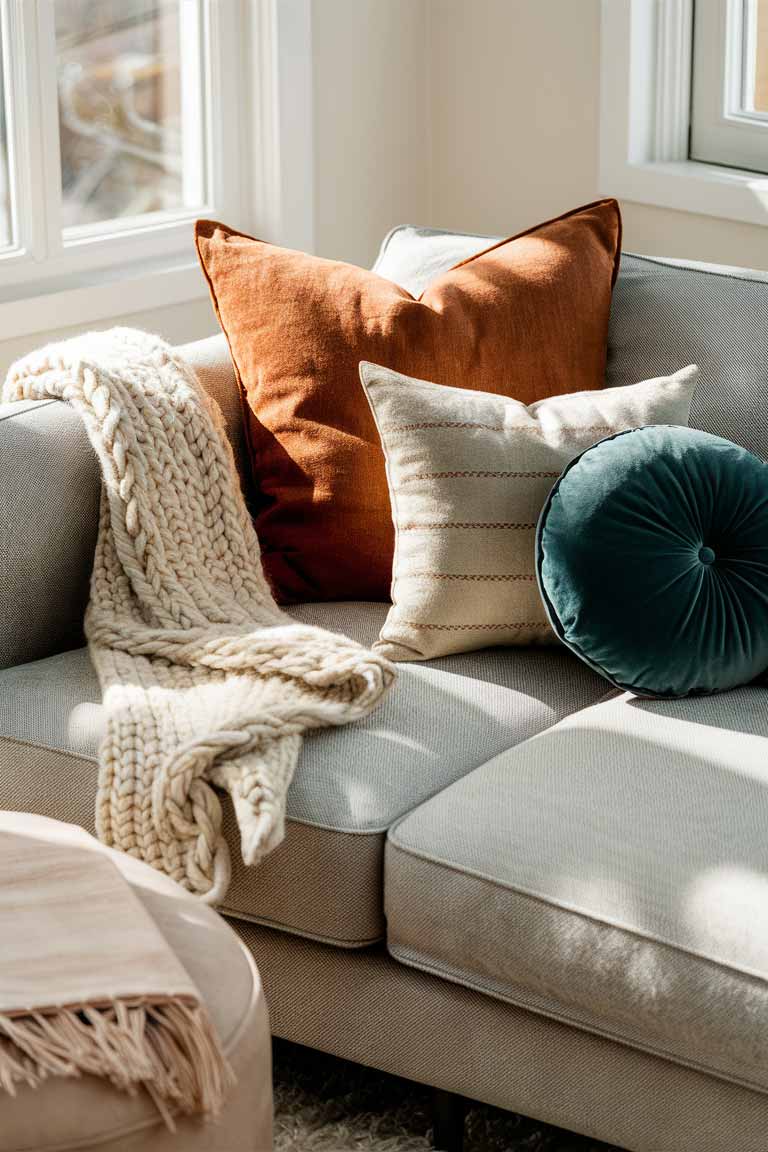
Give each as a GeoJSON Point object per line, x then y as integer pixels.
{"type": "Point", "coordinates": [515, 126]}
{"type": "Point", "coordinates": [659, 231]}
{"type": "Point", "coordinates": [480, 115]}
{"type": "Point", "coordinates": [177, 323]}
{"type": "Point", "coordinates": [514, 110]}
{"type": "Point", "coordinates": [371, 106]}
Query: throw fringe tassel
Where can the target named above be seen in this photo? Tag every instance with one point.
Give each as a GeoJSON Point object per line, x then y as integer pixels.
{"type": "Point", "coordinates": [169, 1048]}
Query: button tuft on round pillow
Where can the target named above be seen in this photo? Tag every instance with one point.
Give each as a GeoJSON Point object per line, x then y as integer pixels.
{"type": "Point", "coordinates": [652, 561]}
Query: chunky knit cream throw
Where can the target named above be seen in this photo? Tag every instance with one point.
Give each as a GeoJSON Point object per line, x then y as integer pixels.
{"type": "Point", "coordinates": [205, 680]}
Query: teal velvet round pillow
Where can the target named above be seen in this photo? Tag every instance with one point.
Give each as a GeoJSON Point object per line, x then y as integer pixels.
{"type": "Point", "coordinates": [652, 561]}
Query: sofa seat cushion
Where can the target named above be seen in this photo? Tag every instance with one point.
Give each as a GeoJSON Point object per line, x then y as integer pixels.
{"type": "Point", "coordinates": [75, 1113]}
{"type": "Point", "coordinates": [611, 873]}
{"type": "Point", "coordinates": [440, 721]}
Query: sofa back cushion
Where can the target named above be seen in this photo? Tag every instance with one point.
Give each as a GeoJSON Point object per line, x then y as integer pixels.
{"type": "Point", "coordinates": [665, 314]}
{"type": "Point", "coordinates": [674, 313]}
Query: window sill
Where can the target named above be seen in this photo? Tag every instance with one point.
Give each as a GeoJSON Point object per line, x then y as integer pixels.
{"type": "Point", "coordinates": [83, 299]}
{"type": "Point", "coordinates": [688, 186]}
{"type": "Point", "coordinates": [645, 78]}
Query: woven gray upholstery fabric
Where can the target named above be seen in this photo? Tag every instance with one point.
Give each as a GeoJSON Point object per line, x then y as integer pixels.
{"type": "Point", "coordinates": [49, 500]}
{"type": "Point", "coordinates": [441, 1033]}
{"type": "Point", "coordinates": [53, 703]}
{"type": "Point", "coordinates": [611, 872]}
{"type": "Point", "coordinates": [440, 721]}
{"type": "Point", "coordinates": [675, 313]}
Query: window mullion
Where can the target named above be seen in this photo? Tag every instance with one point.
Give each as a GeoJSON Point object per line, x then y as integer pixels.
{"type": "Point", "coordinates": [193, 108]}
{"type": "Point", "coordinates": [48, 174]}
{"type": "Point", "coordinates": [224, 82]}
{"type": "Point", "coordinates": [10, 239]}
{"type": "Point", "coordinates": [748, 61]}
{"type": "Point", "coordinates": [22, 109]}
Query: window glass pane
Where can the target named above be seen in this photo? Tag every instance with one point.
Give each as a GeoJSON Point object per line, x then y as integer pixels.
{"type": "Point", "coordinates": [130, 114]}
{"type": "Point", "coordinates": [760, 103]}
{"type": "Point", "coordinates": [756, 56]}
{"type": "Point", "coordinates": [6, 236]}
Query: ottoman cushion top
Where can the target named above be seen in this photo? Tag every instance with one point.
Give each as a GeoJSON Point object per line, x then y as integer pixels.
{"type": "Point", "coordinates": [89, 1112]}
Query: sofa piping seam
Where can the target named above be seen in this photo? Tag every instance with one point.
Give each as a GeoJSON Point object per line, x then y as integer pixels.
{"type": "Point", "coordinates": [451, 975]}
{"type": "Point", "coordinates": [660, 263]}
{"type": "Point", "coordinates": [5, 738]}
{"type": "Point", "coordinates": [35, 406]}
{"type": "Point", "coordinates": [356, 945]}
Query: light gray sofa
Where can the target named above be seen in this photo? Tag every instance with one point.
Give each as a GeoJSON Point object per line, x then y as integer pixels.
{"type": "Point", "coordinates": [508, 883]}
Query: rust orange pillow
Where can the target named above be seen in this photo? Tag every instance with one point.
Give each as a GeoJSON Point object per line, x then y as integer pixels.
{"type": "Point", "coordinates": [527, 318]}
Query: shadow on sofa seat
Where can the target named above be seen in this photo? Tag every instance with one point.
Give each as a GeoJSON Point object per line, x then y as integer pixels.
{"type": "Point", "coordinates": [440, 721]}
{"type": "Point", "coordinates": [611, 873]}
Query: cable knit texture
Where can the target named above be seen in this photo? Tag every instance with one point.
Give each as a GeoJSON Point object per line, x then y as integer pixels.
{"type": "Point", "coordinates": [205, 681]}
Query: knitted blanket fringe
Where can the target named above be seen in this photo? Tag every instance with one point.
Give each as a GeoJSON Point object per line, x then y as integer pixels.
{"type": "Point", "coordinates": [205, 681]}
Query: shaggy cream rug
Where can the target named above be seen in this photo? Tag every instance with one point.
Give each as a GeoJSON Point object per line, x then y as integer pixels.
{"type": "Point", "coordinates": [327, 1105]}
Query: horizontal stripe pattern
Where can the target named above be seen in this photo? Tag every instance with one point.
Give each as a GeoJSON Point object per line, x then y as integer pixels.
{"type": "Point", "coordinates": [440, 524]}
{"type": "Point", "coordinates": [477, 576]}
{"type": "Point", "coordinates": [425, 424]}
{"type": "Point", "coordinates": [480, 476]}
{"type": "Point", "coordinates": [505, 627]}
{"type": "Point", "coordinates": [530, 429]}
{"type": "Point", "coordinates": [468, 476]}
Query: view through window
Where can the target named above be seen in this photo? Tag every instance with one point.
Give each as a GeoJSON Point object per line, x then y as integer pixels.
{"type": "Point", "coordinates": [756, 96]}
{"type": "Point", "coordinates": [107, 143]}
{"type": "Point", "coordinates": [125, 82]}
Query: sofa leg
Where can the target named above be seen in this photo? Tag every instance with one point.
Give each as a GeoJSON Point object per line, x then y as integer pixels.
{"type": "Point", "coordinates": [448, 1111]}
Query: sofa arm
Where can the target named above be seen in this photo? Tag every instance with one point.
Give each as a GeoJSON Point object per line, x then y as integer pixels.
{"type": "Point", "coordinates": [49, 505]}
{"type": "Point", "coordinates": [49, 501]}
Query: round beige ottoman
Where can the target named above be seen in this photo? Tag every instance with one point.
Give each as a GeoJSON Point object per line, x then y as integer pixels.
{"type": "Point", "coordinates": [88, 1113]}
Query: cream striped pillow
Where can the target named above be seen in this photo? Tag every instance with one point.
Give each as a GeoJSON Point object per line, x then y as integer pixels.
{"type": "Point", "coordinates": [468, 475]}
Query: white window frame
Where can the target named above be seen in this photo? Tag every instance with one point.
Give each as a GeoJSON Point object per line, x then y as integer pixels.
{"type": "Point", "coordinates": [259, 169]}
{"type": "Point", "coordinates": [645, 115]}
{"type": "Point", "coordinates": [721, 130]}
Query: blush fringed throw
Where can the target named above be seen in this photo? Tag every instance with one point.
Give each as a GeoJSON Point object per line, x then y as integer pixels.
{"type": "Point", "coordinates": [89, 984]}
{"type": "Point", "coordinates": [205, 680]}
